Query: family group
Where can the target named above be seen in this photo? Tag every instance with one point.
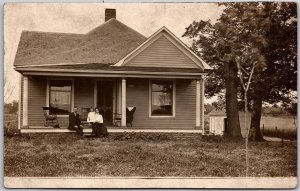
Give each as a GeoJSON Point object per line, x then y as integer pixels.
{"type": "Point", "coordinates": [94, 120]}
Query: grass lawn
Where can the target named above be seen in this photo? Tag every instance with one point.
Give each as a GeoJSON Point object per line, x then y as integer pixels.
{"type": "Point", "coordinates": [65, 155]}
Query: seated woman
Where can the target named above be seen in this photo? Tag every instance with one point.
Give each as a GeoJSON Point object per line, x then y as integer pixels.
{"type": "Point", "coordinates": [98, 129]}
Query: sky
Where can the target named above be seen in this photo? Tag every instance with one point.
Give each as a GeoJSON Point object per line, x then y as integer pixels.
{"type": "Point", "coordinates": [146, 18]}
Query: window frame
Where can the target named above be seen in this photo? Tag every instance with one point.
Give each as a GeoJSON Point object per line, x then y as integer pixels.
{"type": "Point", "coordinates": [173, 99]}
{"type": "Point", "coordinates": [72, 93]}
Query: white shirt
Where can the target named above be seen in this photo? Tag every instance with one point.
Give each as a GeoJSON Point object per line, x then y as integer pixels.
{"type": "Point", "coordinates": [98, 118]}
{"type": "Point", "coordinates": [91, 117]}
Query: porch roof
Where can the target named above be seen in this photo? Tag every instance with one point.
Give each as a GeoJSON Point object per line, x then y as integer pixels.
{"type": "Point", "coordinates": [98, 69]}
{"type": "Point", "coordinates": [105, 67]}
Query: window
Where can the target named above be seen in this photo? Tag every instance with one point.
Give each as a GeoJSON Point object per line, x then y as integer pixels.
{"type": "Point", "coordinates": [162, 98]}
{"type": "Point", "coordinates": [60, 96]}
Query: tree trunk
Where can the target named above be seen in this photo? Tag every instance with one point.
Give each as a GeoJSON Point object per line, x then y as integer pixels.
{"type": "Point", "coordinates": [233, 123]}
{"type": "Point", "coordinates": [255, 120]}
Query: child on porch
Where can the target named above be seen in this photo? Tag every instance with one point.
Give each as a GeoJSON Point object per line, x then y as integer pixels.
{"type": "Point", "coordinates": [91, 117]}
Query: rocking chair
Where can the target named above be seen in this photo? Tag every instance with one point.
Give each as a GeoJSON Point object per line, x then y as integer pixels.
{"type": "Point", "coordinates": [129, 117]}
{"type": "Point", "coordinates": [50, 120]}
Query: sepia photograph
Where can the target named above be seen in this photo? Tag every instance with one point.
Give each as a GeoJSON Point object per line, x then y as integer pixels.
{"type": "Point", "coordinates": [150, 95]}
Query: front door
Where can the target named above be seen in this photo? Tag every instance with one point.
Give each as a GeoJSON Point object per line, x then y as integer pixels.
{"type": "Point", "coordinates": [105, 100]}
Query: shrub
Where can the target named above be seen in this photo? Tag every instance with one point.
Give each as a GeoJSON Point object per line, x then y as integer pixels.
{"type": "Point", "coordinates": [11, 129]}
{"type": "Point", "coordinates": [139, 136]}
{"type": "Point", "coordinates": [212, 138]}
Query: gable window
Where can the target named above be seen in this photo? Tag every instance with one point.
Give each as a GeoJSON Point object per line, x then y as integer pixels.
{"type": "Point", "coordinates": [162, 97]}
{"type": "Point", "coordinates": [60, 96]}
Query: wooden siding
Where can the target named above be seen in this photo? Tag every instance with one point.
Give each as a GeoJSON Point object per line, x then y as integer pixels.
{"type": "Point", "coordinates": [36, 100]}
{"type": "Point", "coordinates": [185, 110]}
{"type": "Point", "coordinates": [83, 93]}
{"type": "Point", "coordinates": [162, 53]}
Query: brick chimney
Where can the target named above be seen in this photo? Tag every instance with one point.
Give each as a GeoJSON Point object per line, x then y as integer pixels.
{"type": "Point", "coordinates": [109, 14]}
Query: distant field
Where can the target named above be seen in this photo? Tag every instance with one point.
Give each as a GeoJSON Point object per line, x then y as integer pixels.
{"type": "Point", "coordinates": [286, 123]}
{"type": "Point", "coordinates": [286, 127]}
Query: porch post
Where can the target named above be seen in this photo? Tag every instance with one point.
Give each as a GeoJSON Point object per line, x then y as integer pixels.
{"type": "Point", "coordinates": [119, 110]}
{"type": "Point", "coordinates": [202, 104]}
{"type": "Point", "coordinates": [198, 104]}
{"type": "Point", "coordinates": [25, 101]}
{"type": "Point", "coordinates": [123, 122]}
{"type": "Point", "coordinates": [48, 94]}
{"type": "Point", "coordinates": [95, 93]}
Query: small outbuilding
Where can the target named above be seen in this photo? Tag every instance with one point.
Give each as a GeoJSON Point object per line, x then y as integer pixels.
{"type": "Point", "coordinates": [217, 122]}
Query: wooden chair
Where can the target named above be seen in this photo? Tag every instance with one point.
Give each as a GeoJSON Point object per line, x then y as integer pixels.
{"type": "Point", "coordinates": [50, 120]}
{"type": "Point", "coordinates": [117, 119]}
{"type": "Point", "coordinates": [129, 117]}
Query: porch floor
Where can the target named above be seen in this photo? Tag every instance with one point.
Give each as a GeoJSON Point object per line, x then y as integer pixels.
{"type": "Point", "coordinates": [41, 129]}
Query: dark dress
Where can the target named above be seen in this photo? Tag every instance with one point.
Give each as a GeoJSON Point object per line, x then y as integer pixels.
{"type": "Point", "coordinates": [99, 130]}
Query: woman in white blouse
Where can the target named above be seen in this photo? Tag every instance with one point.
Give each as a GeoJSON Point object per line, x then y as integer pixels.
{"type": "Point", "coordinates": [98, 129]}
{"type": "Point", "coordinates": [98, 117]}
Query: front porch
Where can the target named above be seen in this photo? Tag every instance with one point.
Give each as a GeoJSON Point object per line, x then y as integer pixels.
{"type": "Point", "coordinates": [181, 110]}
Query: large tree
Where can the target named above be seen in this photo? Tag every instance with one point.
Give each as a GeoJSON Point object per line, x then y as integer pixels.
{"type": "Point", "coordinates": [263, 34]}
{"type": "Point", "coordinates": [236, 38]}
{"type": "Point", "coordinates": [278, 81]}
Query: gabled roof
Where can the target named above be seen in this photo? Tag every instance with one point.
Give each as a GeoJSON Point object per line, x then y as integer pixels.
{"type": "Point", "coordinates": [177, 42]}
{"type": "Point", "coordinates": [105, 44]}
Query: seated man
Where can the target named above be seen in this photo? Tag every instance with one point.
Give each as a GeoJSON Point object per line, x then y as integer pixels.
{"type": "Point", "coordinates": [98, 129]}
{"type": "Point", "coordinates": [75, 122]}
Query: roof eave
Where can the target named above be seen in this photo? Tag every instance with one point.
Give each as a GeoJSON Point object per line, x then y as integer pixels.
{"type": "Point", "coordinates": [22, 70]}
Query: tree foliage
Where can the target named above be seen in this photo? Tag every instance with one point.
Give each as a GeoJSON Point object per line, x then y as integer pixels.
{"type": "Point", "coordinates": [279, 79]}
{"type": "Point", "coordinates": [264, 34]}
{"type": "Point", "coordinates": [11, 108]}
{"type": "Point", "coordinates": [236, 38]}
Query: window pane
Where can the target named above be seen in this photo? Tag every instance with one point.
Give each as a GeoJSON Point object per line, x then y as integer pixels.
{"type": "Point", "coordinates": [60, 96]}
{"type": "Point", "coordinates": [162, 98]}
